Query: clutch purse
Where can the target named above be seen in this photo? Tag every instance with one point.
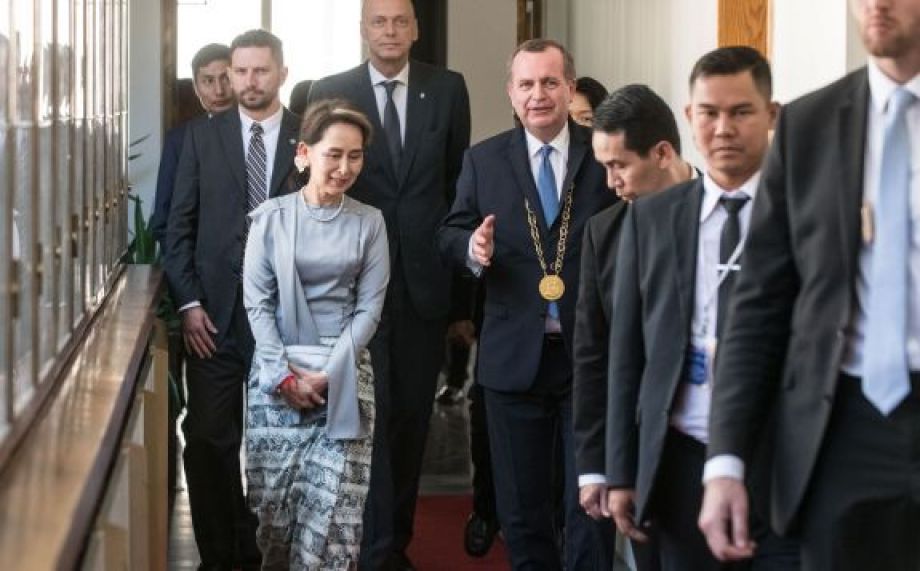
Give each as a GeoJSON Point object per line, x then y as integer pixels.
{"type": "Point", "coordinates": [310, 357]}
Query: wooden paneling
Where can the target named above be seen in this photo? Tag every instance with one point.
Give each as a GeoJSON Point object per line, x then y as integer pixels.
{"type": "Point", "coordinates": [529, 20]}
{"type": "Point", "coordinates": [745, 22]}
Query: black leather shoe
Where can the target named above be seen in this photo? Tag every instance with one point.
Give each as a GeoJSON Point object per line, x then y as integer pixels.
{"type": "Point", "coordinates": [478, 535]}
{"type": "Point", "coordinates": [448, 395]}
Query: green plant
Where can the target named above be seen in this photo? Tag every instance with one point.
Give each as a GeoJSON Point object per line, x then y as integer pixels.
{"type": "Point", "coordinates": [143, 248]}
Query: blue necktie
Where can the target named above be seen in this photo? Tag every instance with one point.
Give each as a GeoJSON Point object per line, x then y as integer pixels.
{"type": "Point", "coordinates": [549, 199]}
{"type": "Point", "coordinates": [546, 186]}
{"type": "Point", "coordinates": [886, 377]}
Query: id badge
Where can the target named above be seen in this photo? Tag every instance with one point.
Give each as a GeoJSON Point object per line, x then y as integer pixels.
{"type": "Point", "coordinates": [700, 358]}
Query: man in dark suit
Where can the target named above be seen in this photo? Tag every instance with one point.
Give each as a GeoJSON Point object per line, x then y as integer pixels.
{"type": "Point", "coordinates": [636, 141]}
{"type": "Point", "coordinates": [523, 199]}
{"type": "Point", "coordinates": [825, 322]}
{"type": "Point", "coordinates": [678, 251]}
{"type": "Point", "coordinates": [212, 86]}
{"type": "Point", "coordinates": [228, 166]}
{"type": "Point", "coordinates": [421, 115]}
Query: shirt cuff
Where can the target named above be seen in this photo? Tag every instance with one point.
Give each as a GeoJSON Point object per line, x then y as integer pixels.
{"type": "Point", "coordinates": [471, 262]}
{"type": "Point", "coordinates": [723, 466]}
{"type": "Point", "coordinates": [190, 305]}
{"type": "Point", "coordinates": [588, 479]}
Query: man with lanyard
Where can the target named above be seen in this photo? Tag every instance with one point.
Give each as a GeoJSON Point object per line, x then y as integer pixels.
{"type": "Point", "coordinates": [679, 252]}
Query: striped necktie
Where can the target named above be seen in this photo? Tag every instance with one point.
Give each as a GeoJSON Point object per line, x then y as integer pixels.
{"type": "Point", "coordinates": [255, 169]}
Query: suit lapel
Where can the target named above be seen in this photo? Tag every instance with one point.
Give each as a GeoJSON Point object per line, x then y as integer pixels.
{"type": "Point", "coordinates": [231, 137]}
{"type": "Point", "coordinates": [852, 120]}
{"type": "Point", "coordinates": [520, 167]}
{"type": "Point", "coordinates": [284, 151]}
{"type": "Point", "coordinates": [417, 109]}
{"type": "Point", "coordinates": [685, 221]}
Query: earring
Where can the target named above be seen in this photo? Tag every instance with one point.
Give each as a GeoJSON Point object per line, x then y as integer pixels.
{"type": "Point", "coordinates": [301, 162]}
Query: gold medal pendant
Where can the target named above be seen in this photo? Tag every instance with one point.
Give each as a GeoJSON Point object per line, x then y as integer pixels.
{"type": "Point", "coordinates": [551, 288]}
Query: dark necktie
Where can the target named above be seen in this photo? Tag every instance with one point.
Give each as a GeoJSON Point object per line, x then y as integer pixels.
{"type": "Point", "coordinates": [391, 125]}
{"type": "Point", "coordinates": [731, 236]}
{"type": "Point", "coordinates": [886, 377]}
{"type": "Point", "coordinates": [255, 169]}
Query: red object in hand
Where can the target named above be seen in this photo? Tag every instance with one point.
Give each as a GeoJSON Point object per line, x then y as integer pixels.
{"type": "Point", "coordinates": [285, 381]}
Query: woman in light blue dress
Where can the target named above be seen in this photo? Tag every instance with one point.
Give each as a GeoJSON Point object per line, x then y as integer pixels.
{"type": "Point", "coordinates": [315, 275]}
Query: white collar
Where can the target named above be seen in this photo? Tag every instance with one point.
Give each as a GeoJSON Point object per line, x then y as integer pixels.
{"type": "Point", "coordinates": [377, 78]}
{"type": "Point", "coordinates": [712, 192]}
{"type": "Point", "coordinates": [559, 143]}
{"type": "Point", "coordinates": [881, 86]}
{"type": "Point", "coordinates": [268, 123]}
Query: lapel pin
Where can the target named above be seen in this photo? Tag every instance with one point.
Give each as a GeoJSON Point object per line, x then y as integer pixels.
{"type": "Point", "coordinates": [292, 141]}
{"type": "Point", "coordinates": [421, 95]}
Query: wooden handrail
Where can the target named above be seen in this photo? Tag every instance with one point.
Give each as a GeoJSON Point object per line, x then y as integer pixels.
{"type": "Point", "coordinates": [53, 484]}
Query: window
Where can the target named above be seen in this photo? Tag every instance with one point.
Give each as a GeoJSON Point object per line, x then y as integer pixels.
{"type": "Point", "coordinates": [62, 182]}
{"type": "Point", "coordinates": [320, 37]}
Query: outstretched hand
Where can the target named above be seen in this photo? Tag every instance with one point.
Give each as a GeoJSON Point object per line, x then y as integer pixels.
{"type": "Point", "coordinates": [484, 241]}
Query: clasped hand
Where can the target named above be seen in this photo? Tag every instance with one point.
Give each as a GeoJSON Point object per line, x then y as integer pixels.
{"type": "Point", "coordinates": [308, 389]}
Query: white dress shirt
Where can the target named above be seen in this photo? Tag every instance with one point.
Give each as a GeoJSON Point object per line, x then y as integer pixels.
{"type": "Point", "coordinates": [880, 91]}
{"type": "Point", "coordinates": [691, 411]}
{"type": "Point", "coordinates": [400, 94]}
{"type": "Point", "coordinates": [271, 128]}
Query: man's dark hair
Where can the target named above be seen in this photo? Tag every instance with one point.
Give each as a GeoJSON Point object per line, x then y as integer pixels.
{"type": "Point", "coordinates": [732, 60]}
{"type": "Point", "coordinates": [208, 54]}
{"type": "Point", "coordinates": [540, 45]}
{"type": "Point", "coordinates": [259, 39]}
{"type": "Point", "coordinates": [641, 115]}
{"type": "Point", "coordinates": [593, 90]}
{"type": "Point", "coordinates": [299, 97]}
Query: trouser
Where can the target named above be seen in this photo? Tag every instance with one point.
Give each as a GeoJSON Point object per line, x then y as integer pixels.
{"type": "Point", "coordinates": [523, 428]}
{"type": "Point", "coordinates": [862, 508]}
{"type": "Point", "coordinates": [213, 427]}
{"type": "Point", "coordinates": [406, 353]}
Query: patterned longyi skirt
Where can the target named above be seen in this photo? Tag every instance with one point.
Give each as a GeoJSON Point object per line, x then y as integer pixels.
{"type": "Point", "coordinates": [307, 491]}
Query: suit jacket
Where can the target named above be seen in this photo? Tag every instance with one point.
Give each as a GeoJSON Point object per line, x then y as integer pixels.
{"type": "Point", "coordinates": [785, 336]}
{"type": "Point", "coordinates": [207, 220]}
{"type": "Point", "coordinates": [653, 303]}
{"type": "Point", "coordinates": [592, 330]}
{"type": "Point", "coordinates": [166, 181]}
{"type": "Point", "coordinates": [415, 199]}
{"type": "Point", "coordinates": [496, 178]}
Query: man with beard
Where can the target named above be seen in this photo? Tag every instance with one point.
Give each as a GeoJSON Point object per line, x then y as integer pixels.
{"type": "Point", "coordinates": [229, 165]}
{"type": "Point", "coordinates": [824, 326]}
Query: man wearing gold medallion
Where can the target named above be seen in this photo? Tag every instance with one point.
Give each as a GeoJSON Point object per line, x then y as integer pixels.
{"type": "Point", "coordinates": [523, 198]}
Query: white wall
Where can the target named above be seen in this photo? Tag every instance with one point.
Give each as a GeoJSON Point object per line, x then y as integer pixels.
{"type": "Point", "coordinates": [654, 42]}
{"type": "Point", "coordinates": [145, 99]}
{"type": "Point", "coordinates": [481, 35]}
{"type": "Point", "coordinates": [813, 43]}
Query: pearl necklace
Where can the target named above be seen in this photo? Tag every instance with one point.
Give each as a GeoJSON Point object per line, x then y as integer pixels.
{"type": "Point", "coordinates": [312, 212]}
